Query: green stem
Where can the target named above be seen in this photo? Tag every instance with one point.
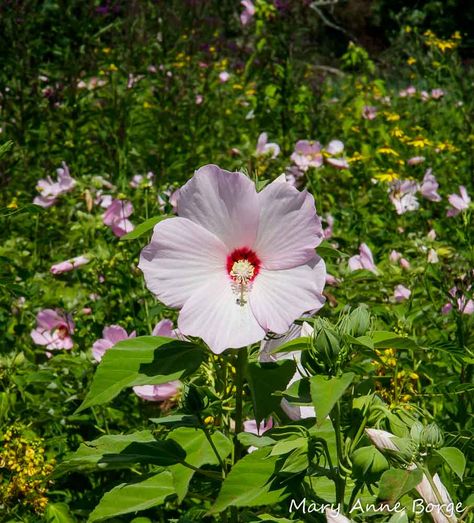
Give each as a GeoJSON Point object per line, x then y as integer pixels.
{"type": "Point", "coordinates": [437, 494]}
{"type": "Point", "coordinates": [213, 446]}
{"type": "Point", "coordinates": [239, 396]}
{"type": "Point", "coordinates": [341, 480]}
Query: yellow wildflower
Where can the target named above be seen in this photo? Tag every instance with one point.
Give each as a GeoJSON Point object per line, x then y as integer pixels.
{"type": "Point", "coordinates": [411, 60]}
{"type": "Point", "coordinates": [387, 150]}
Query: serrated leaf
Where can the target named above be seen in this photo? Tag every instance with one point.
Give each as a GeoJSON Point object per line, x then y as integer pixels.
{"type": "Point", "coordinates": [146, 360]}
{"type": "Point", "coordinates": [144, 227]}
{"type": "Point", "coordinates": [134, 497]}
{"type": "Point", "coordinates": [454, 458]}
{"type": "Point", "coordinates": [326, 392]}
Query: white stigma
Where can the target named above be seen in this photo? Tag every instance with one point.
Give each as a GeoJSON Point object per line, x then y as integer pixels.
{"type": "Point", "coordinates": [242, 272]}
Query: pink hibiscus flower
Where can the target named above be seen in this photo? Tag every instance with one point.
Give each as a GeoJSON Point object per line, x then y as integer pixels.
{"type": "Point", "coordinates": [307, 154]}
{"type": "Point", "coordinates": [363, 260]}
{"type": "Point", "coordinates": [50, 190]}
{"type": "Point", "coordinates": [401, 293]}
{"type": "Point", "coordinates": [459, 202]}
{"type": "Point", "coordinates": [53, 329]}
{"type": "Point", "coordinates": [111, 335]}
{"type": "Point", "coordinates": [429, 187]}
{"type": "Point", "coordinates": [264, 148]}
{"type": "Point", "coordinates": [69, 265]}
{"type": "Point", "coordinates": [402, 195]}
{"type": "Point", "coordinates": [236, 262]}
{"type": "Point", "coordinates": [116, 217]}
{"type": "Point", "coordinates": [333, 151]}
{"type": "Point", "coordinates": [249, 11]}
{"type": "Point", "coordinates": [369, 112]}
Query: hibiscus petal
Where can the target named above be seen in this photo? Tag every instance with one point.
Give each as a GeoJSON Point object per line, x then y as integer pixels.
{"type": "Point", "coordinates": [279, 297]}
{"type": "Point", "coordinates": [224, 203]}
{"type": "Point", "coordinates": [289, 229]}
{"type": "Point", "coordinates": [49, 319]}
{"type": "Point", "coordinates": [212, 313]}
{"type": "Point", "coordinates": [179, 260]}
{"type": "Point", "coordinates": [100, 347]}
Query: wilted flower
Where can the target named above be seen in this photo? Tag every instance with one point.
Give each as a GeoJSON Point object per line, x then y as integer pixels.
{"type": "Point", "coordinates": [265, 148]}
{"type": "Point", "coordinates": [363, 260]}
{"type": "Point", "coordinates": [415, 160]}
{"type": "Point", "coordinates": [236, 262]}
{"type": "Point", "coordinates": [459, 202]}
{"type": "Point", "coordinates": [307, 154]}
{"type": "Point", "coordinates": [369, 112]}
{"type": "Point", "coordinates": [69, 265]}
{"type": "Point", "coordinates": [334, 516]}
{"type": "Point", "coordinates": [53, 329]}
{"type": "Point", "coordinates": [116, 216]}
{"type": "Point", "coordinates": [401, 293]}
{"type": "Point", "coordinates": [249, 11]}
{"type": "Point", "coordinates": [332, 280]}
{"type": "Point", "coordinates": [50, 190]}
{"type": "Point", "coordinates": [438, 512]}
{"type": "Point", "coordinates": [111, 335]}
{"type": "Point", "coordinates": [429, 187]}
{"type": "Point", "coordinates": [381, 439]}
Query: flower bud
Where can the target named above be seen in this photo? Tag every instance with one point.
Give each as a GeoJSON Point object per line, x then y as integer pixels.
{"type": "Point", "coordinates": [358, 321]}
{"type": "Point", "coordinates": [432, 436]}
{"type": "Point", "coordinates": [415, 431]}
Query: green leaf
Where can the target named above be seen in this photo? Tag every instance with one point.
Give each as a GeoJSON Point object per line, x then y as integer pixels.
{"type": "Point", "coordinates": [399, 517]}
{"type": "Point", "coordinates": [301, 343]}
{"type": "Point", "coordinates": [144, 227]}
{"type": "Point", "coordinates": [177, 420]}
{"type": "Point", "coordinates": [146, 360]}
{"type": "Point", "coordinates": [389, 340]}
{"type": "Point", "coordinates": [198, 453]}
{"type": "Point", "coordinates": [265, 379]}
{"type": "Point", "coordinates": [326, 392]}
{"type": "Point", "coordinates": [250, 483]}
{"type": "Point", "coordinates": [454, 458]}
{"type": "Point", "coordinates": [90, 453]}
{"type": "Point", "coordinates": [395, 483]}
{"type": "Point", "coordinates": [58, 513]}
{"type": "Point", "coordinates": [252, 440]}
{"type": "Point", "coordinates": [126, 498]}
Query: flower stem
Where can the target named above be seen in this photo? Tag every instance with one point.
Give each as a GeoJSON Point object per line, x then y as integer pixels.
{"type": "Point", "coordinates": [239, 400]}
{"type": "Point", "coordinates": [438, 496]}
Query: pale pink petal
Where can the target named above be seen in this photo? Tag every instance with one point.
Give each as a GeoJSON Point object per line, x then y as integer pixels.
{"type": "Point", "coordinates": [41, 336]}
{"type": "Point", "coordinates": [49, 319]}
{"type": "Point", "coordinates": [278, 297]}
{"type": "Point", "coordinates": [338, 163]}
{"type": "Point", "coordinates": [115, 333]}
{"type": "Point", "coordinates": [335, 147]}
{"type": "Point", "coordinates": [180, 259]}
{"type": "Point", "coordinates": [69, 265]}
{"type": "Point", "coordinates": [164, 328]}
{"type": "Point", "coordinates": [162, 392]}
{"type": "Point", "coordinates": [225, 203]}
{"type": "Point", "coordinates": [289, 229]}
{"type": "Point", "coordinates": [100, 347]}
{"type": "Point", "coordinates": [213, 314]}
{"type": "Point", "coordinates": [381, 439]}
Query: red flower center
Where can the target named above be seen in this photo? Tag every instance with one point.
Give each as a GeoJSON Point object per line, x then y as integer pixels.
{"type": "Point", "coordinates": [243, 265]}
